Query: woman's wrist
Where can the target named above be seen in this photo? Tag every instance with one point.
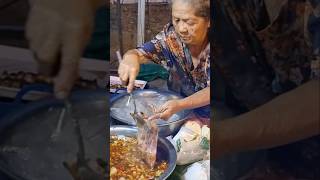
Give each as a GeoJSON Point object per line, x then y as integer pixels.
{"type": "Point", "coordinates": [184, 104]}
{"type": "Point", "coordinates": [130, 55]}
{"type": "Point", "coordinates": [135, 54]}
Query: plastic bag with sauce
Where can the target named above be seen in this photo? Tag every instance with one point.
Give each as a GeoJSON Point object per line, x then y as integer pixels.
{"type": "Point", "coordinates": [147, 139]}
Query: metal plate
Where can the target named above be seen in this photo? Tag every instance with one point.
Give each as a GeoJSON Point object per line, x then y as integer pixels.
{"type": "Point", "coordinates": [121, 112]}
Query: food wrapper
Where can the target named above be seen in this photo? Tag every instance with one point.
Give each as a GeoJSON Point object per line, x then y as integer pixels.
{"type": "Point", "coordinates": [192, 142]}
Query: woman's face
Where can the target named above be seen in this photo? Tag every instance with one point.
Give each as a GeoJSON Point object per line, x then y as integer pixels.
{"type": "Point", "coordinates": [192, 29]}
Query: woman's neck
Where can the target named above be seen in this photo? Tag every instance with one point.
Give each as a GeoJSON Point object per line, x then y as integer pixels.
{"type": "Point", "coordinates": [195, 50]}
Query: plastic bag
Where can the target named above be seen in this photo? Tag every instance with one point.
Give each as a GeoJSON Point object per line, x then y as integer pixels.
{"type": "Point", "coordinates": [192, 142]}
{"type": "Point", "coordinates": [147, 138]}
{"type": "Point", "coordinates": [198, 170]}
{"type": "Point", "coordinates": [147, 142]}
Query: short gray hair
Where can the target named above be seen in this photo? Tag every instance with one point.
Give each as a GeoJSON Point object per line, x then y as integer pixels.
{"type": "Point", "coordinates": [202, 7]}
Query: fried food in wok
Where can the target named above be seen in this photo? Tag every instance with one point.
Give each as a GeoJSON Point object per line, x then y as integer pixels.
{"type": "Point", "coordinates": [125, 161]}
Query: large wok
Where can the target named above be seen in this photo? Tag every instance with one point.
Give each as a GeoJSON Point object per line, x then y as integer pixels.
{"type": "Point", "coordinates": [165, 150]}
{"type": "Point", "coordinates": [27, 150]}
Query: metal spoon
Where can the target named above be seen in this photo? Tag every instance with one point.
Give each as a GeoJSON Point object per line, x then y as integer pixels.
{"type": "Point", "coordinates": [129, 99]}
{"type": "Point", "coordinates": [57, 131]}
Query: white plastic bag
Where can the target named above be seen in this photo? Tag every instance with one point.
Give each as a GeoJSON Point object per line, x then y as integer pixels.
{"type": "Point", "coordinates": [192, 142]}
{"type": "Point", "coordinates": [198, 170]}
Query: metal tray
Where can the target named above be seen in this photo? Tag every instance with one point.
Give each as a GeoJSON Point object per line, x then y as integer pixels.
{"type": "Point", "coordinates": [121, 112]}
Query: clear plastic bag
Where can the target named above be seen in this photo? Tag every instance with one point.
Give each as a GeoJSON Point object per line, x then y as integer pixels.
{"type": "Point", "coordinates": [147, 135]}
{"type": "Point", "coordinates": [147, 142]}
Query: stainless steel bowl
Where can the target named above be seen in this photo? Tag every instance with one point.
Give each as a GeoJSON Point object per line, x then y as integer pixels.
{"type": "Point", "coordinates": [165, 150]}
{"type": "Point", "coordinates": [120, 112]}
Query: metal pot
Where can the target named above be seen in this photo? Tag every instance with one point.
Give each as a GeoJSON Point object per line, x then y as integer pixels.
{"type": "Point", "coordinates": [120, 112]}
{"type": "Point", "coordinates": [165, 150]}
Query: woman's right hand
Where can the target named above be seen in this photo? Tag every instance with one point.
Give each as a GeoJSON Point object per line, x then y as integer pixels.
{"type": "Point", "coordinates": [167, 110]}
{"type": "Point", "coordinates": [128, 70]}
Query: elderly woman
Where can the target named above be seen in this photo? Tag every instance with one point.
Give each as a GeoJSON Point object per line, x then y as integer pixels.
{"type": "Point", "coordinates": [184, 50]}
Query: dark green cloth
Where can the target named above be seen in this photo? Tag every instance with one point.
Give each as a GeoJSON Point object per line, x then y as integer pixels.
{"type": "Point", "coordinates": [149, 72]}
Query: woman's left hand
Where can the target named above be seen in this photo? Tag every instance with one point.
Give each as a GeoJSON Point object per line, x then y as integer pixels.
{"type": "Point", "coordinates": [166, 110]}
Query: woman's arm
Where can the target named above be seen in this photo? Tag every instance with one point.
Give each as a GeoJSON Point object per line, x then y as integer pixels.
{"type": "Point", "coordinates": [129, 67]}
{"type": "Point", "coordinates": [290, 117]}
{"type": "Point", "coordinates": [198, 99]}
{"type": "Point", "coordinates": [136, 55]}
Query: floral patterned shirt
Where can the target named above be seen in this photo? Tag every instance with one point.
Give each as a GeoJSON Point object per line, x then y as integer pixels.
{"type": "Point", "coordinates": [169, 51]}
